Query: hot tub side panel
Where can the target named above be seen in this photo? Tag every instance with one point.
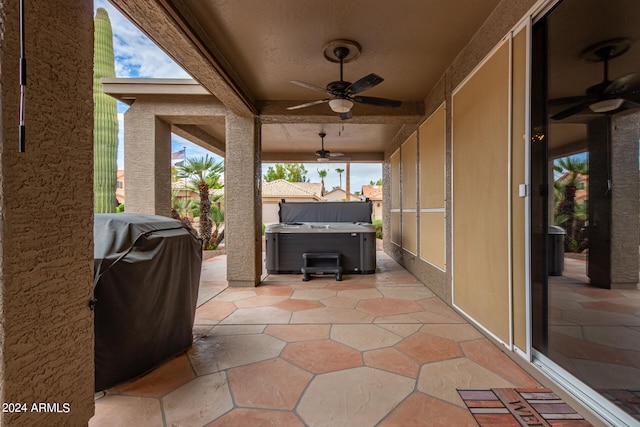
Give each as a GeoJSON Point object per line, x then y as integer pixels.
{"type": "Point", "coordinates": [284, 250]}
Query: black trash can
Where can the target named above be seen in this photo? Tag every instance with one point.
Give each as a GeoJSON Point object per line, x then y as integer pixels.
{"type": "Point", "coordinates": [555, 254]}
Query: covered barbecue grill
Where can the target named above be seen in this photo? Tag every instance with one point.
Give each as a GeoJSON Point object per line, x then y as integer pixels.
{"type": "Point", "coordinates": [146, 278]}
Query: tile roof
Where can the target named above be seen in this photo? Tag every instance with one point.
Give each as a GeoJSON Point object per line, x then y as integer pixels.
{"type": "Point", "coordinates": [282, 188]}
{"type": "Point", "coordinates": [373, 192]}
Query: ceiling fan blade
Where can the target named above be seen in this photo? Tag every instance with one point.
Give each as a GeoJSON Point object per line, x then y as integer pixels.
{"type": "Point", "coordinates": [346, 116]}
{"type": "Point", "coordinates": [623, 84]}
{"type": "Point", "coordinates": [629, 105]}
{"type": "Point", "coordinates": [633, 96]}
{"type": "Point", "coordinates": [367, 82]}
{"type": "Point", "coordinates": [308, 104]}
{"type": "Point", "coordinates": [333, 159]}
{"type": "Point", "coordinates": [332, 154]}
{"type": "Point", "coordinates": [574, 109]}
{"type": "Point", "coordinates": [567, 100]}
{"type": "Point", "coordinates": [309, 86]}
{"type": "Point", "coordinates": [380, 102]}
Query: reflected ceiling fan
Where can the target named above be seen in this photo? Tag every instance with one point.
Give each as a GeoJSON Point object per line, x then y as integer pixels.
{"type": "Point", "coordinates": [608, 95]}
{"type": "Point", "coordinates": [326, 155]}
{"type": "Point", "coordinates": [344, 94]}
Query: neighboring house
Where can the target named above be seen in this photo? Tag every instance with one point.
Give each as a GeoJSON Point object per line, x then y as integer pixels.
{"type": "Point", "coordinates": [338, 194]}
{"type": "Point", "coordinates": [120, 185]}
{"type": "Point", "coordinates": [374, 193]}
{"type": "Point", "coordinates": [274, 191]}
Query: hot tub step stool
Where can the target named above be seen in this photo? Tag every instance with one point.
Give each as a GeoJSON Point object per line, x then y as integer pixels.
{"type": "Point", "coordinates": [321, 263]}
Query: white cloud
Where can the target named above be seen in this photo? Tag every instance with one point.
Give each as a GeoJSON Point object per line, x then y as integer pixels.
{"type": "Point", "coordinates": [136, 55]}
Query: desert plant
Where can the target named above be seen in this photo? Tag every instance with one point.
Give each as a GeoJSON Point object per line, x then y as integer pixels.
{"type": "Point", "coordinates": [217, 218]}
{"type": "Point", "coordinates": [204, 173]}
{"type": "Point", "coordinates": [105, 119]}
{"type": "Point", "coordinates": [565, 202]}
{"type": "Point", "coordinates": [377, 224]}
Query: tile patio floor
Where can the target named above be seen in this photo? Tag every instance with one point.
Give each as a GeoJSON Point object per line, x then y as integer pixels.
{"type": "Point", "coordinates": [372, 350]}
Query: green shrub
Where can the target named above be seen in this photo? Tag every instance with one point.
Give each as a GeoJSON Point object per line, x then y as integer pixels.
{"type": "Point", "coordinates": [377, 223]}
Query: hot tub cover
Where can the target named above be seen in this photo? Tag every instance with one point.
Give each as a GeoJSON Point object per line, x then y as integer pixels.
{"type": "Point", "coordinates": [146, 278]}
{"type": "Point", "coordinates": [325, 212]}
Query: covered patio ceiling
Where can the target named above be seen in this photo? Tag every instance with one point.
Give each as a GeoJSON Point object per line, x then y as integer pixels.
{"type": "Point", "coordinates": [246, 53]}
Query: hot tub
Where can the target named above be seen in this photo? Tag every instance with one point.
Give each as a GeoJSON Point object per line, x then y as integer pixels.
{"type": "Point", "coordinates": [286, 242]}
{"type": "Point", "coordinates": [341, 230]}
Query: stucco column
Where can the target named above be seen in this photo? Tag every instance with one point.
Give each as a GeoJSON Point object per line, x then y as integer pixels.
{"type": "Point", "coordinates": [613, 201]}
{"type": "Point", "coordinates": [147, 160]}
{"type": "Point", "coordinates": [46, 211]}
{"type": "Point", "coordinates": [243, 203]}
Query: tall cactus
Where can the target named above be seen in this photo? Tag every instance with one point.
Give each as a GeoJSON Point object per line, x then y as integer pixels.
{"type": "Point", "coordinates": [105, 119]}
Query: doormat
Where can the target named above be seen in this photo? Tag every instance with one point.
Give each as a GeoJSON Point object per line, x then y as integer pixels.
{"type": "Point", "coordinates": [515, 407]}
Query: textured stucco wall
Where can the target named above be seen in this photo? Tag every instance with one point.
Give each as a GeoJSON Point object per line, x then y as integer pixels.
{"type": "Point", "coordinates": [243, 204]}
{"type": "Point", "coordinates": [613, 201]}
{"type": "Point", "coordinates": [46, 215]}
{"type": "Point", "coordinates": [507, 14]}
{"type": "Point", "coordinates": [147, 147]}
{"type": "Point", "coordinates": [147, 158]}
{"type": "Point", "coordinates": [625, 133]}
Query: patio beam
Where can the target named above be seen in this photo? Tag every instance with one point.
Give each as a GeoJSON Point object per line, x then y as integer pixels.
{"type": "Point", "coordinates": [272, 112]}
{"type": "Point", "coordinates": [170, 28]}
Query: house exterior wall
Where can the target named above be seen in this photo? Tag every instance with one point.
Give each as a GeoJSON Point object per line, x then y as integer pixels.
{"type": "Point", "coordinates": [500, 24]}
{"type": "Point", "coordinates": [46, 231]}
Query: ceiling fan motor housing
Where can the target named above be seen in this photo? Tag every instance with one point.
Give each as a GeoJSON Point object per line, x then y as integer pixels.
{"type": "Point", "coordinates": [337, 88]}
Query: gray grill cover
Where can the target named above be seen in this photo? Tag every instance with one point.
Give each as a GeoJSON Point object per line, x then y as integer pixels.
{"type": "Point", "coordinates": [325, 212]}
{"type": "Point", "coordinates": [146, 278]}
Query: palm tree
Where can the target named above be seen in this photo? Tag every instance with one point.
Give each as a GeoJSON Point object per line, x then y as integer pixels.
{"type": "Point", "coordinates": [217, 217]}
{"type": "Point", "coordinates": [565, 188]}
{"type": "Point", "coordinates": [323, 175]}
{"type": "Point", "coordinates": [340, 172]}
{"type": "Point", "coordinates": [204, 173]}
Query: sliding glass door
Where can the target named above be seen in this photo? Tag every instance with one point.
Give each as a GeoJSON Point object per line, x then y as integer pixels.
{"type": "Point", "coordinates": [585, 119]}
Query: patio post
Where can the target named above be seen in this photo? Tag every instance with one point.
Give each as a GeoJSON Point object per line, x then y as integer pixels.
{"type": "Point", "coordinates": [613, 201]}
{"type": "Point", "coordinates": [46, 205]}
{"type": "Point", "coordinates": [147, 156]}
{"type": "Point", "coordinates": [243, 202]}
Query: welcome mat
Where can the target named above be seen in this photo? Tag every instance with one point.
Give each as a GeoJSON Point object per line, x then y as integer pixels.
{"type": "Point", "coordinates": [515, 407]}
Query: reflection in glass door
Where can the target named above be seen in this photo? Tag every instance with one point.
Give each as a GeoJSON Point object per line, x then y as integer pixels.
{"type": "Point", "coordinates": [585, 197]}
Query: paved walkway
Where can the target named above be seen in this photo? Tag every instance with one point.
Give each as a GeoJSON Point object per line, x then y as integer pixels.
{"type": "Point", "coordinates": [372, 350]}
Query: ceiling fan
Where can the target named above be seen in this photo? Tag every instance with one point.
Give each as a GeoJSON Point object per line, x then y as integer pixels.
{"type": "Point", "coordinates": [344, 93]}
{"type": "Point", "coordinates": [326, 155]}
{"type": "Point", "coordinates": [608, 95]}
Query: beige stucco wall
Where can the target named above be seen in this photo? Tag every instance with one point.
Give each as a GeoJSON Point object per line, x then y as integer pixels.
{"type": "Point", "coordinates": [147, 151]}
{"type": "Point", "coordinates": [46, 231]}
{"type": "Point", "coordinates": [502, 20]}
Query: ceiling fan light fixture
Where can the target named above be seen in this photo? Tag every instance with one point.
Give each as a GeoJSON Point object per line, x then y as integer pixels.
{"type": "Point", "coordinates": [340, 105]}
{"type": "Point", "coordinates": [606, 105]}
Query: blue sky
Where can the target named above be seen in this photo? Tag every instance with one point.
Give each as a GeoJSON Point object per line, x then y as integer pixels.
{"type": "Point", "coordinates": [137, 56]}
